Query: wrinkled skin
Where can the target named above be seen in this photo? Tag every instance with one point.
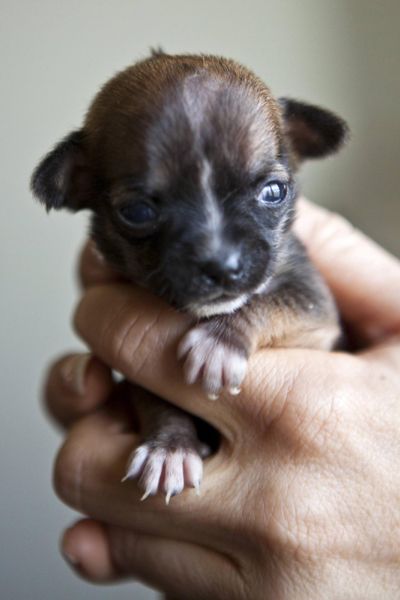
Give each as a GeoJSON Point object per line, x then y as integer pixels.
{"type": "Point", "coordinates": [302, 500]}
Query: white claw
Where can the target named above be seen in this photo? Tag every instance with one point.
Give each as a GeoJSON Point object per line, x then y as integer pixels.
{"type": "Point", "coordinates": [150, 477]}
{"type": "Point", "coordinates": [212, 397]}
{"type": "Point", "coordinates": [145, 495]}
{"type": "Point", "coordinates": [168, 498]}
{"type": "Point", "coordinates": [193, 470]}
{"type": "Point", "coordinates": [136, 462]}
{"type": "Point", "coordinates": [234, 391]}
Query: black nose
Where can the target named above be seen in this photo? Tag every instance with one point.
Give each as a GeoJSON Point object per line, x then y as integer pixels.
{"type": "Point", "coordinates": [223, 269]}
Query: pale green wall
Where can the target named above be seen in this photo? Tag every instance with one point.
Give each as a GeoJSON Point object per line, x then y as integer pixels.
{"type": "Point", "coordinates": [54, 54]}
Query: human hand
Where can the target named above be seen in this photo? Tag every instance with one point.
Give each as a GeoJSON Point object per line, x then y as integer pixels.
{"type": "Point", "coordinates": [302, 498]}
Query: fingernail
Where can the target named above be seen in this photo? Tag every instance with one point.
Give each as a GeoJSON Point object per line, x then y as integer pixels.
{"type": "Point", "coordinates": [73, 373]}
{"type": "Point", "coordinates": [96, 255]}
{"type": "Point", "coordinates": [72, 561]}
{"type": "Point", "coordinates": [67, 554]}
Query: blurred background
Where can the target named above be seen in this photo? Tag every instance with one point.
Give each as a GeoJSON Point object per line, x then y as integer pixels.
{"type": "Point", "coordinates": [54, 55]}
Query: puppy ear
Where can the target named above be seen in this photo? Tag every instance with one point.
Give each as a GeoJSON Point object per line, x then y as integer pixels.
{"type": "Point", "coordinates": [313, 132]}
{"type": "Point", "coordinates": [61, 178]}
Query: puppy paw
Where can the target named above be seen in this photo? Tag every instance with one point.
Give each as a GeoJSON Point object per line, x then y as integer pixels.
{"type": "Point", "coordinates": [214, 361]}
{"type": "Point", "coordinates": [166, 465]}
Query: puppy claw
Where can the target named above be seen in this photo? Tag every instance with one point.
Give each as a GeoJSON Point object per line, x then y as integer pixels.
{"type": "Point", "coordinates": [136, 462]}
{"type": "Point", "coordinates": [145, 495]}
{"type": "Point", "coordinates": [193, 470]}
{"type": "Point", "coordinates": [234, 391]}
{"type": "Point", "coordinates": [212, 397]}
{"type": "Point", "coordinates": [168, 498]}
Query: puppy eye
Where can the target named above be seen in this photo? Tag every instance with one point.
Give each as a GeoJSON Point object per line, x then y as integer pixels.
{"type": "Point", "coordinates": [140, 214]}
{"type": "Point", "coordinates": [273, 193]}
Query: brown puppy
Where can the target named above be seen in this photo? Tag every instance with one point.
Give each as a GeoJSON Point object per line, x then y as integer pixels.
{"type": "Point", "coordinates": [188, 164]}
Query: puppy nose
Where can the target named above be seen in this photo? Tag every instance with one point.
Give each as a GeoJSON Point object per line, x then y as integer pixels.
{"type": "Point", "coordinates": [223, 269]}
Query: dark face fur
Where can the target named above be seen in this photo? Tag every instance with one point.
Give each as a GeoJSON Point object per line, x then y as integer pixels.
{"type": "Point", "coordinates": [187, 163]}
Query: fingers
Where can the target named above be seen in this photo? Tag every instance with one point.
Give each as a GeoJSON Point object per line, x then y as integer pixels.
{"type": "Point", "coordinates": [181, 569]}
{"type": "Point", "coordinates": [364, 278]}
{"type": "Point", "coordinates": [76, 385]}
{"type": "Point", "coordinates": [93, 268]}
{"type": "Point", "coordinates": [86, 548]}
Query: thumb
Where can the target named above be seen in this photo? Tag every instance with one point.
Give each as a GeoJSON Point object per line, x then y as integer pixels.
{"type": "Point", "coordinates": [364, 278]}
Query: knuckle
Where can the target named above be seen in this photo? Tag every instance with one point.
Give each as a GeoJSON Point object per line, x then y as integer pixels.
{"type": "Point", "coordinates": [324, 427]}
{"type": "Point", "coordinates": [294, 524]}
{"type": "Point", "coordinates": [134, 342]}
{"type": "Point", "coordinates": [126, 549]}
{"type": "Point", "coordinates": [120, 327]}
{"type": "Point", "coordinates": [338, 224]}
{"type": "Point", "coordinates": [334, 230]}
{"type": "Point", "coordinates": [312, 418]}
{"type": "Point", "coordinates": [271, 385]}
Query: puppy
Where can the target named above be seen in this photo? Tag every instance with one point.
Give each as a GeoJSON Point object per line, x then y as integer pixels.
{"type": "Point", "coordinates": [188, 164]}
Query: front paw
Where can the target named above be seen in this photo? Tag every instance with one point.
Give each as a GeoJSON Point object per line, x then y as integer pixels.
{"type": "Point", "coordinates": [210, 357]}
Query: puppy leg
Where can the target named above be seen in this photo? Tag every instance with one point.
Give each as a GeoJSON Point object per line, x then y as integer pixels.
{"type": "Point", "coordinates": [170, 455]}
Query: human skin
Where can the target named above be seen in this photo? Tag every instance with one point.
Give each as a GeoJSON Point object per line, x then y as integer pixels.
{"type": "Point", "coordinates": [302, 499]}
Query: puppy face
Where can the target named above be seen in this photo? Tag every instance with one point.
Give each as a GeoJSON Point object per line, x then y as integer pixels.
{"type": "Point", "coordinates": [188, 163]}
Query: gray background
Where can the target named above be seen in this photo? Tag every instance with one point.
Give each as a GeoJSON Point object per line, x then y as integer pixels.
{"type": "Point", "coordinates": [54, 55]}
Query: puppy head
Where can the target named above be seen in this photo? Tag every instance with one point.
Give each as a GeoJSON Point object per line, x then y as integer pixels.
{"type": "Point", "coordinates": [188, 165]}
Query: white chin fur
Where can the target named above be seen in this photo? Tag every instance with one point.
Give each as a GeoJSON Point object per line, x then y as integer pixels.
{"type": "Point", "coordinates": [217, 308]}
{"type": "Point", "coordinates": [224, 308]}
{"type": "Point", "coordinates": [263, 287]}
